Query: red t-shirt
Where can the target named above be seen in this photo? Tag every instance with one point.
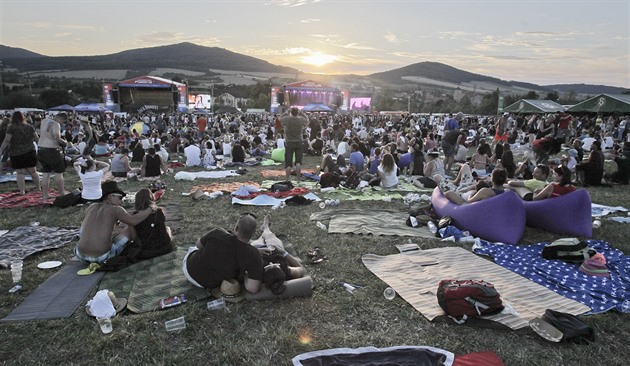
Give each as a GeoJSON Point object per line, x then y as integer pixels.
{"type": "Point", "coordinates": [559, 190]}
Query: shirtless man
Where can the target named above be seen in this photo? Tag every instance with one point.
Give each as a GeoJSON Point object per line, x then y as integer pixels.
{"type": "Point", "coordinates": [49, 153]}
{"type": "Point", "coordinates": [97, 244]}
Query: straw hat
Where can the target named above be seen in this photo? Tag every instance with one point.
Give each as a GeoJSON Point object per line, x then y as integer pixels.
{"type": "Point", "coordinates": [230, 290]}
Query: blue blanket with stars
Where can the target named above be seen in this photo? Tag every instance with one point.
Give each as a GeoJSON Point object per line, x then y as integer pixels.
{"type": "Point", "coordinates": [599, 293]}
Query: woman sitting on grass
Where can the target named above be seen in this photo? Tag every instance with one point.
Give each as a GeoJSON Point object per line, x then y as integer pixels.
{"type": "Point", "coordinates": [388, 171]}
{"type": "Point", "coordinates": [156, 238]}
{"type": "Point", "coordinates": [499, 177]}
{"type": "Point", "coordinates": [561, 184]}
{"type": "Point", "coordinates": [91, 178]}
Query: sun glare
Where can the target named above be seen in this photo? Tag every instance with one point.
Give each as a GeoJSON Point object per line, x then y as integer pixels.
{"type": "Point", "coordinates": [318, 59]}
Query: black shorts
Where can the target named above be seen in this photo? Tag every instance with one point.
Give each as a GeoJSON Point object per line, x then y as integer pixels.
{"type": "Point", "coordinates": [24, 161]}
{"type": "Point", "coordinates": [289, 149]}
{"type": "Point", "coordinates": [120, 174]}
{"type": "Point", "coordinates": [51, 160]}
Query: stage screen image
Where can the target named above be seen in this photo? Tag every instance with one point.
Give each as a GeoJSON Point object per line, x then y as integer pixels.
{"type": "Point", "coordinates": [199, 101]}
{"type": "Point", "coordinates": [360, 104]}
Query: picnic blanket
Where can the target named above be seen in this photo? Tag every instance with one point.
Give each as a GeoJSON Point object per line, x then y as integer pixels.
{"type": "Point", "coordinates": [4, 178]}
{"type": "Point", "coordinates": [30, 199]}
{"type": "Point", "coordinates": [223, 187]}
{"type": "Point", "coordinates": [26, 240]}
{"type": "Point", "coordinates": [58, 297]}
{"type": "Point", "coordinates": [146, 282]}
{"type": "Point", "coordinates": [415, 276]}
{"type": "Point", "coordinates": [304, 184]}
{"type": "Point", "coordinates": [345, 194]}
{"type": "Point", "coordinates": [205, 174]}
{"type": "Point", "coordinates": [281, 172]}
{"type": "Point", "coordinates": [599, 293]}
{"type": "Point", "coordinates": [373, 221]}
{"type": "Point", "coordinates": [292, 192]}
{"type": "Point", "coordinates": [173, 214]}
{"type": "Point", "coordinates": [264, 200]}
{"type": "Point", "coordinates": [598, 210]}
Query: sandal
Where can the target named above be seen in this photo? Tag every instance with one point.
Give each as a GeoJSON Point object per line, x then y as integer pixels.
{"type": "Point", "coordinates": [93, 267]}
{"type": "Point", "coordinates": [314, 253]}
{"type": "Point", "coordinates": [318, 259]}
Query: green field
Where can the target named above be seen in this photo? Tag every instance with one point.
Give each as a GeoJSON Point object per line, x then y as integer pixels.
{"type": "Point", "coordinates": [272, 332]}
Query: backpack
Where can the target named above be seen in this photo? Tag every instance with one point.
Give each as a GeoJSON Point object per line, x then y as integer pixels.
{"type": "Point", "coordinates": [353, 181]}
{"type": "Point", "coordinates": [463, 299]}
{"type": "Point", "coordinates": [329, 180]}
{"type": "Point", "coordinates": [71, 199]}
{"type": "Point", "coordinates": [284, 186]}
{"type": "Point", "coordinates": [568, 249]}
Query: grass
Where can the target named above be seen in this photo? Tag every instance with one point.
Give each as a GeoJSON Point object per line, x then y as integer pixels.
{"type": "Point", "coordinates": [272, 332]}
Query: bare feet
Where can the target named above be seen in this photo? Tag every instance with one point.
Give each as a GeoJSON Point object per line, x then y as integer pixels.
{"type": "Point", "coordinates": [266, 222]}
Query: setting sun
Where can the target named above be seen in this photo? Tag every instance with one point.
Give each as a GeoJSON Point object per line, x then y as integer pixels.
{"type": "Point", "coordinates": [318, 59]}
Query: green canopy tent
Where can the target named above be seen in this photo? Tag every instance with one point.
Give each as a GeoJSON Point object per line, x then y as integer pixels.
{"type": "Point", "coordinates": [534, 106]}
{"type": "Point", "coordinates": [604, 103]}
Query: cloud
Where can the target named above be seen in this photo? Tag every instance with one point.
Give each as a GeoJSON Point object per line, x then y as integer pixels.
{"type": "Point", "coordinates": [309, 20]}
{"type": "Point", "coordinates": [165, 38]}
{"type": "Point", "coordinates": [392, 38]}
{"type": "Point", "coordinates": [63, 34]}
{"type": "Point", "coordinates": [353, 46]}
{"type": "Point", "coordinates": [291, 3]}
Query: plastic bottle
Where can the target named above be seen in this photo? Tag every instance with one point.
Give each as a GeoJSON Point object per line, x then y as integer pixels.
{"type": "Point", "coordinates": [432, 227]}
{"type": "Point", "coordinates": [349, 287]}
{"type": "Point", "coordinates": [322, 226]}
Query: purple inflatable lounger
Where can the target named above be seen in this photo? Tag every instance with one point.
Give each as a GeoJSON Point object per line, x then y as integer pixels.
{"type": "Point", "coordinates": [497, 219]}
{"type": "Point", "coordinates": [569, 214]}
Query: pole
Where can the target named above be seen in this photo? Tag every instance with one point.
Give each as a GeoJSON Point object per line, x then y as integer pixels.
{"type": "Point", "coordinates": [408, 103]}
{"type": "Point", "coordinates": [212, 99]}
{"type": "Point", "coordinates": [1, 84]}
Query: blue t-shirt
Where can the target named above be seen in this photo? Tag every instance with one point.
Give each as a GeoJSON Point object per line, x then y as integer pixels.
{"type": "Point", "coordinates": [357, 161]}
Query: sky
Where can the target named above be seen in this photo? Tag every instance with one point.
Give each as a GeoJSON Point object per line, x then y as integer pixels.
{"type": "Point", "coordinates": [541, 42]}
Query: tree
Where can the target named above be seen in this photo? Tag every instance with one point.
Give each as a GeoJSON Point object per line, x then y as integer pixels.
{"type": "Point", "coordinates": [490, 103]}
{"type": "Point", "coordinates": [531, 95]}
{"type": "Point", "coordinates": [20, 100]}
{"type": "Point", "coordinates": [553, 96]}
{"type": "Point", "coordinates": [55, 97]}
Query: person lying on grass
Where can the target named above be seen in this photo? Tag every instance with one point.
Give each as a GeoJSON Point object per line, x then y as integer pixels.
{"type": "Point", "coordinates": [224, 255]}
{"type": "Point", "coordinates": [280, 266]}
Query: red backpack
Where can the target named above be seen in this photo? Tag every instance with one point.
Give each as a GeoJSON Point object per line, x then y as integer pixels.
{"type": "Point", "coordinates": [463, 299]}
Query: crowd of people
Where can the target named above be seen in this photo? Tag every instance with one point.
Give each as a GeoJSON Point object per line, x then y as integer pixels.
{"type": "Point", "coordinates": [511, 152]}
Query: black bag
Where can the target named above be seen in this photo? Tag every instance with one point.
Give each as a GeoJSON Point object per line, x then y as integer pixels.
{"type": "Point", "coordinates": [71, 199]}
{"type": "Point", "coordinates": [329, 180]}
{"type": "Point", "coordinates": [573, 329]}
{"type": "Point", "coordinates": [282, 186]}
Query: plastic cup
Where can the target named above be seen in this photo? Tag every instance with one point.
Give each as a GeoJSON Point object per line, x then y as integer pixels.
{"type": "Point", "coordinates": [105, 324]}
{"type": "Point", "coordinates": [16, 270]}
{"type": "Point", "coordinates": [389, 293]}
{"type": "Point", "coordinates": [217, 304]}
{"type": "Point", "coordinates": [597, 224]}
{"type": "Point", "coordinates": [175, 324]}
{"type": "Point", "coordinates": [322, 205]}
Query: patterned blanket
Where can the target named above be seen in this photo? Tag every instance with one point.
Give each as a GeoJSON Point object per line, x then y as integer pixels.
{"type": "Point", "coordinates": [599, 293]}
{"type": "Point", "coordinates": [26, 240]}
{"type": "Point", "coordinates": [30, 199]}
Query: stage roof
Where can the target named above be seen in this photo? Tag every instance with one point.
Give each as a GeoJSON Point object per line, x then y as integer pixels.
{"type": "Point", "coordinates": [149, 82]}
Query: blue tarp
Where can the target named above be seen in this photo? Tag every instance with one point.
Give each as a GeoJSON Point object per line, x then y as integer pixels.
{"type": "Point", "coordinates": [90, 107]}
{"type": "Point", "coordinates": [62, 108]}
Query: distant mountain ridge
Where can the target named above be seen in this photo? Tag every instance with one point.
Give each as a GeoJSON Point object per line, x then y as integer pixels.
{"type": "Point", "coordinates": [178, 56]}
{"type": "Point", "coordinates": [189, 56]}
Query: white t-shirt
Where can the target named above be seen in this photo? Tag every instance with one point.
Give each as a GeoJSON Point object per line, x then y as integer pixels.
{"type": "Point", "coordinates": [280, 143]}
{"type": "Point", "coordinates": [388, 179]}
{"type": "Point", "coordinates": [91, 182]}
{"type": "Point", "coordinates": [193, 155]}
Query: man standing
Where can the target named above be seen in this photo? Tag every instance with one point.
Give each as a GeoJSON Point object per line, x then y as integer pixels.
{"type": "Point", "coordinates": [293, 125]}
{"type": "Point", "coordinates": [97, 244]}
{"type": "Point", "coordinates": [222, 255]}
{"type": "Point", "coordinates": [450, 145]}
{"type": "Point", "coordinates": [49, 153]}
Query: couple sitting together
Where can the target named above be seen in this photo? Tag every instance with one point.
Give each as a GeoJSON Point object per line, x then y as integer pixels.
{"type": "Point", "coordinates": [221, 255]}
{"type": "Point", "coordinates": [99, 242]}
{"type": "Point", "coordinates": [464, 189]}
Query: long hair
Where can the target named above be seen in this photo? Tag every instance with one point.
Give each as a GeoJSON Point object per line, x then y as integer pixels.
{"type": "Point", "coordinates": [388, 163]}
{"type": "Point", "coordinates": [273, 278]}
{"type": "Point", "coordinates": [144, 199]}
{"type": "Point", "coordinates": [88, 164]}
{"type": "Point", "coordinates": [564, 173]}
{"type": "Point", "coordinates": [17, 118]}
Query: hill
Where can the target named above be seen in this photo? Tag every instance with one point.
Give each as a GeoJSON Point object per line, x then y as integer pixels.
{"type": "Point", "coordinates": [14, 52]}
{"type": "Point", "coordinates": [587, 89]}
{"type": "Point", "coordinates": [186, 56]}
